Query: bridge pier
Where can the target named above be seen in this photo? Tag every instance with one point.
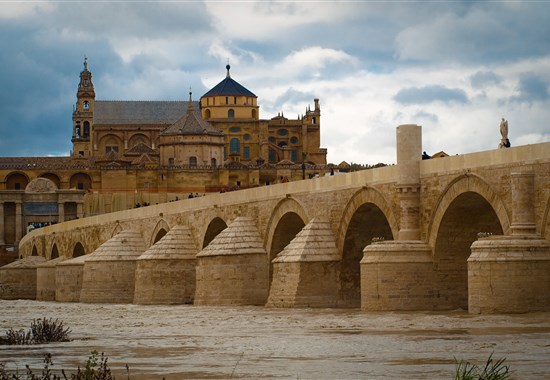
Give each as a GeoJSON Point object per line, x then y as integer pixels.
{"type": "Point", "coordinates": [165, 273]}
{"type": "Point", "coordinates": [109, 274]}
{"type": "Point", "coordinates": [398, 275]}
{"type": "Point", "coordinates": [511, 274]}
{"type": "Point", "coordinates": [305, 273]}
{"type": "Point", "coordinates": [233, 268]}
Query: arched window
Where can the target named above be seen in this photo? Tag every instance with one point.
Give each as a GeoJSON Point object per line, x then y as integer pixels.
{"type": "Point", "coordinates": [234, 146]}
{"type": "Point", "coordinates": [86, 129]}
{"type": "Point", "coordinates": [213, 162]}
{"type": "Point", "coordinates": [231, 114]}
{"type": "Point", "coordinates": [282, 144]}
{"type": "Point", "coordinates": [193, 161]}
{"type": "Point", "coordinates": [246, 153]}
{"type": "Point", "coordinates": [272, 155]}
{"type": "Point", "coordinates": [86, 105]}
{"type": "Point", "coordinates": [207, 114]}
{"type": "Point", "coordinates": [253, 114]}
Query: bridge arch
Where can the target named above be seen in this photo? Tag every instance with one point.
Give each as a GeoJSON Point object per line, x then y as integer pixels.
{"type": "Point", "coordinates": [216, 225]}
{"type": "Point", "coordinates": [286, 221]}
{"type": "Point", "coordinates": [467, 207]}
{"type": "Point", "coordinates": [159, 231]}
{"type": "Point", "coordinates": [367, 215]}
{"type": "Point", "coordinates": [116, 230]}
{"type": "Point", "coordinates": [34, 251]}
{"type": "Point", "coordinates": [54, 252]}
{"type": "Point", "coordinates": [278, 235]}
{"type": "Point", "coordinates": [464, 184]}
{"type": "Point", "coordinates": [78, 250]}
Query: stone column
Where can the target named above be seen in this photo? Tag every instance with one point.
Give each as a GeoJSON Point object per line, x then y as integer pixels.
{"type": "Point", "coordinates": [79, 210]}
{"type": "Point", "coordinates": [511, 274]}
{"type": "Point", "coordinates": [523, 199]}
{"type": "Point", "coordinates": [18, 222]}
{"type": "Point", "coordinates": [2, 224]}
{"type": "Point", "coordinates": [398, 275]}
{"type": "Point", "coordinates": [60, 212]}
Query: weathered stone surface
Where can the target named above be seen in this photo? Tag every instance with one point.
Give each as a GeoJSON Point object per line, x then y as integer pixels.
{"type": "Point", "coordinates": [18, 279]}
{"type": "Point", "coordinates": [165, 273]}
{"type": "Point", "coordinates": [233, 268]}
{"type": "Point", "coordinates": [509, 274]}
{"type": "Point", "coordinates": [68, 279]}
{"type": "Point", "coordinates": [109, 274]}
{"type": "Point", "coordinates": [305, 273]}
{"type": "Point", "coordinates": [459, 197]}
{"type": "Point", "coordinates": [45, 279]}
{"type": "Point", "coordinates": [397, 275]}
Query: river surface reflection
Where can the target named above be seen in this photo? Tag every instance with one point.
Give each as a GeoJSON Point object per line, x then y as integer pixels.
{"type": "Point", "coordinates": [188, 342]}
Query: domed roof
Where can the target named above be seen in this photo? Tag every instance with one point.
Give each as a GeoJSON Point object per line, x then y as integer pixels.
{"type": "Point", "coordinates": [229, 87]}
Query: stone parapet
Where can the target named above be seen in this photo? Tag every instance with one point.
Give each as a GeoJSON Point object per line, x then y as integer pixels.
{"type": "Point", "coordinates": [509, 274]}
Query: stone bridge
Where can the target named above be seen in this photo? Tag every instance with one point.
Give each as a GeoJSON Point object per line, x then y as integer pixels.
{"type": "Point", "coordinates": [468, 231]}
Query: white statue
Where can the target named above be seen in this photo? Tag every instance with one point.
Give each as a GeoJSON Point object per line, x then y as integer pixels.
{"type": "Point", "coordinates": [504, 142]}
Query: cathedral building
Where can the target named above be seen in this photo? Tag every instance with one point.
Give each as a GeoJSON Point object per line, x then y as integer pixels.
{"type": "Point", "coordinates": [132, 153]}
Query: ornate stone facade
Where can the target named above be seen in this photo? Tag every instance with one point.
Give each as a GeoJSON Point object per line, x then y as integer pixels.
{"type": "Point", "coordinates": [134, 153]}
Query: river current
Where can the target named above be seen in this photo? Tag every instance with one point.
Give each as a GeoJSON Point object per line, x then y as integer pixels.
{"type": "Point", "coordinates": [188, 342]}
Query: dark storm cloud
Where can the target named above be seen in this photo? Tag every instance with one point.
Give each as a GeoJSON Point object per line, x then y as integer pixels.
{"type": "Point", "coordinates": [430, 94]}
{"type": "Point", "coordinates": [483, 79]}
{"type": "Point", "coordinates": [483, 32]}
{"type": "Point", "coordinates": [532, 88]}
{"type": "Point", "coordinates": [42, 55]}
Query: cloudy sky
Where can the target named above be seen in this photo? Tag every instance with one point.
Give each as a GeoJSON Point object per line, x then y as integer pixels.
{"type": "Point", "coordinates": [454, 67]}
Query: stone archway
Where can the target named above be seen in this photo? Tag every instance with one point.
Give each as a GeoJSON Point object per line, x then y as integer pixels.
{"type": "Point", "coordinates": [159, 231]}
{"type": "Point", "coordinates": [54, 254]}
{"type": "Point", "coordinates": [366, 216]}
{"type": "Point", "coordinates": [467, 207]}
{"type": "Point", "coordinates": [78, 250]}
{"type": "Point", "coordinates": [215, 226]}
{"type": "Point", "coordinates": [286, 221]}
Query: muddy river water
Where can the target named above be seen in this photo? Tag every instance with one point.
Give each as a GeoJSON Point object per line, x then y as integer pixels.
{"type": "Point", "coordinates": [187, 342]}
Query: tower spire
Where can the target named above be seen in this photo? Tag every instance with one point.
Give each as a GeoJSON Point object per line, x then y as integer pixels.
{"type": "Point", "coordinates": [190, 103]}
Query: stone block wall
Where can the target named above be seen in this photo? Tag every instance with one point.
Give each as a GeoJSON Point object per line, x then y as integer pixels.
{"type": "Point", "coordinates": [232, 280]}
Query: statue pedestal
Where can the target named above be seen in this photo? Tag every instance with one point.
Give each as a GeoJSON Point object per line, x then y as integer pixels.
{"type": "Point", "coordinates": [509, 274]}
{"type": "Point", "coordinates": [397, 275]}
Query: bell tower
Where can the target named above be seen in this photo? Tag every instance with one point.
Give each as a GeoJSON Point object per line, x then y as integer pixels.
{"type": "Point", "coordinates": [83, 115]}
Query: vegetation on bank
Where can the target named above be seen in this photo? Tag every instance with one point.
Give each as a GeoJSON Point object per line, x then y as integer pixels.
{"type": "Point", "coordinates": [41, 331]}
{"type": "Point", "coordinates": [96, 369]}
{"type": "Point", "coordinates": [493, 370]}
